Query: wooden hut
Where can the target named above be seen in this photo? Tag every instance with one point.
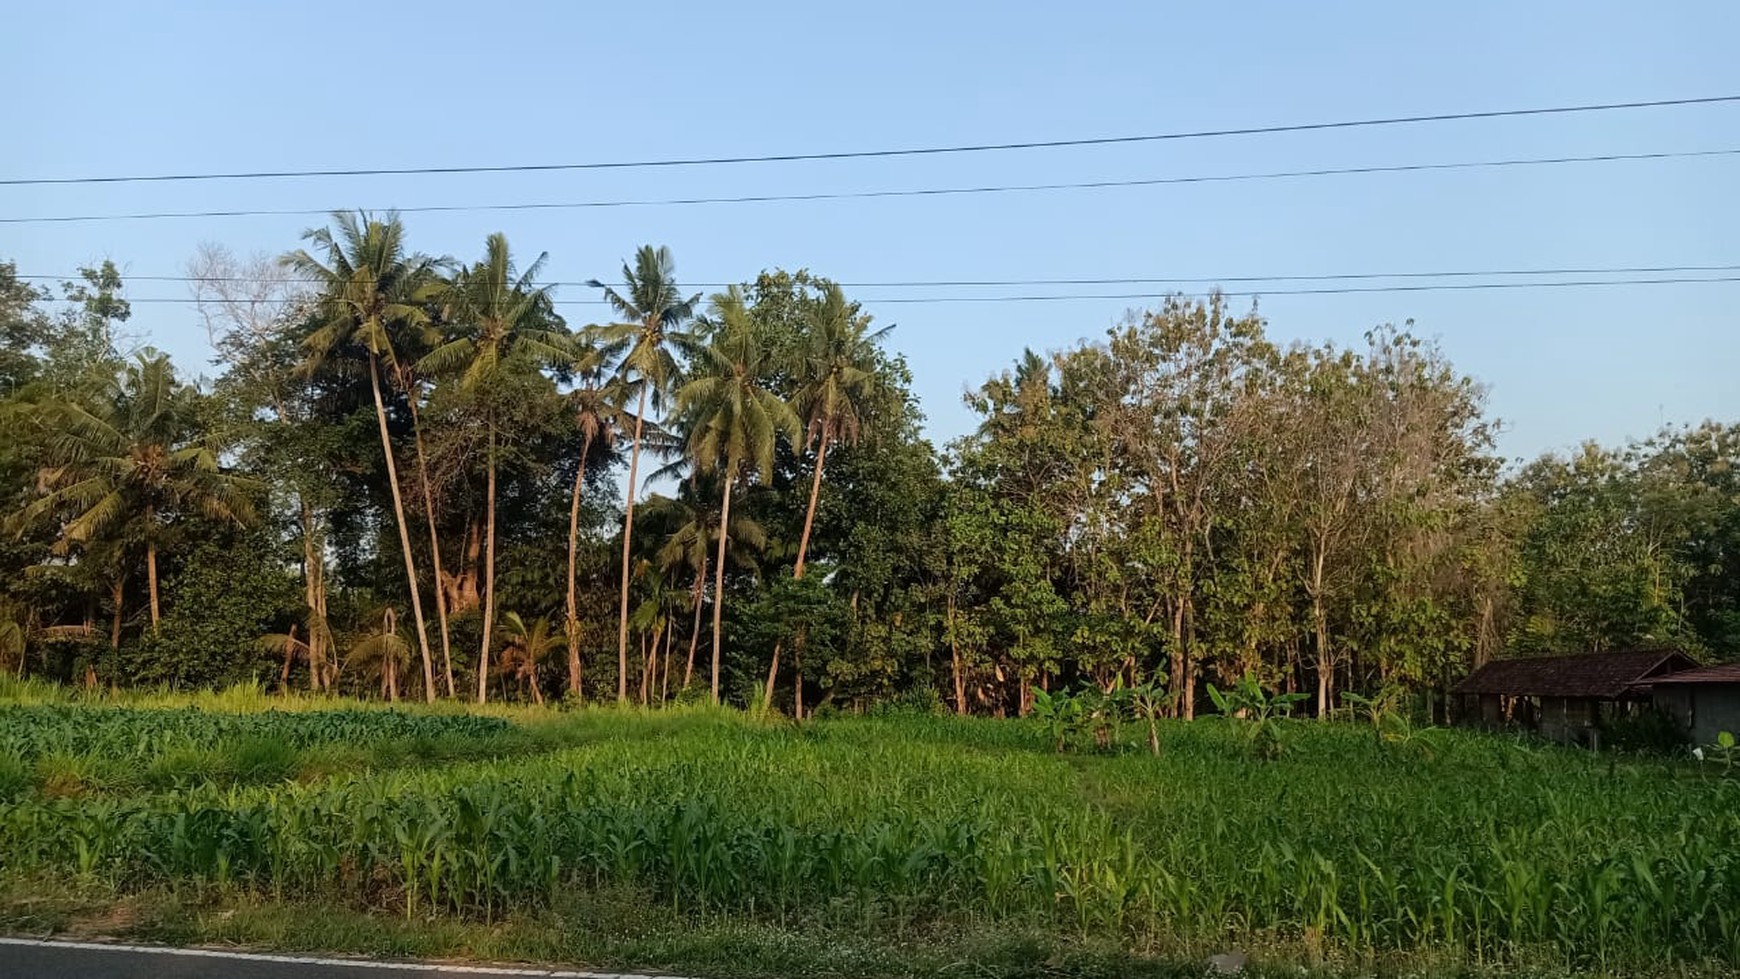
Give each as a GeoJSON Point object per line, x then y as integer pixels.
{"type": "Point", "coordinates": [1706, 701]}
{"type": "Point", "coordinates": [1564, 697]}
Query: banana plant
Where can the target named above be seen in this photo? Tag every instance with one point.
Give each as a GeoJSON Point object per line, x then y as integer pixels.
{"type": "Point", "coordinates": [1148, 702]}
{"type": "Point", "coordinates": [1060, 713]}
{"type": "Point", "coordinates": [1258, 713]}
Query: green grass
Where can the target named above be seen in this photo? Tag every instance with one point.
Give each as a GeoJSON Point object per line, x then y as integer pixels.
{"type": "Point", "coordinates": [905, 843]}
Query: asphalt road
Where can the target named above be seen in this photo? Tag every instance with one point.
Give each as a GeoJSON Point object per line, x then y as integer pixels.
{"type": "Point", "coordinates": [24, 958]}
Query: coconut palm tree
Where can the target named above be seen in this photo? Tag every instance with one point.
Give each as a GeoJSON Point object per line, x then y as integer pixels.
{"type": "Point", "coordinates": [371, 293]}
{"type": "Point", "coordinates": [129, 463]}
{"type": "Point", "coordinates": [292, 647]}
{"type": "Point", "coordinates": [837, 382]}
{"type": "Point", "coordinates": [653, 618]}
{"type": "Point", "coordinates": [644, 344]}
{"type": "Point", "coordinates": [733, 420]}
{"type": "Point", "coordinates": [501, 322]}
{"type": "Point", "coordinates": [524, 649]}
{"type": "Point", "coordinates": [692, 528]}
{"type": "Point", "coordinates": [384, 653]}
{"type": "Point", "coordinates": [596, 404]}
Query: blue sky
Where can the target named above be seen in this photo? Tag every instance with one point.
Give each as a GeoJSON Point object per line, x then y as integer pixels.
{"type": "Point", "coordinates": [101, 88]}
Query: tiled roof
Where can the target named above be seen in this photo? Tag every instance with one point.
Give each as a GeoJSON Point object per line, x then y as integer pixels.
{"type": "Point", "coordinates": [1605, 676]}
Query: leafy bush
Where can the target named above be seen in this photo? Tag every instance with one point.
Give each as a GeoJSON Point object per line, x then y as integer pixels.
{"type": "Point", "coordinates": [219, 604]}
{"type": "Point", "coordinates": [1647, 731]}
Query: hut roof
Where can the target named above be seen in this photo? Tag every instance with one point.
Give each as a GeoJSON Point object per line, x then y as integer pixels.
{"type": "Point", "coordinates": [1603, 676]}
{"type": "Point", "coordinates": [1722, 673]}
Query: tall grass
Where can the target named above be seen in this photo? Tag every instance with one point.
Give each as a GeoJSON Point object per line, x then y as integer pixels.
{"type": "Point", "coordinates": [1488, 846]}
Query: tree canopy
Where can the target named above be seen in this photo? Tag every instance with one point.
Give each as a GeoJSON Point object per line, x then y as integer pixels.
{"type": "Point", "coordinates": [1181, 501]}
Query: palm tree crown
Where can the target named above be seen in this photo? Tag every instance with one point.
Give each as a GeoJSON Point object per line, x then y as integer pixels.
{"type": "Point", "coordinates": [733, 418]}
{"type": "Point", "coordinates": [648, 337]}
{"type": "Point", "coordinates": [497, 315]}
{"type": "Point", "coordinates": [371, 289]}
{"type": "Point", "coordinates": [837, 378]}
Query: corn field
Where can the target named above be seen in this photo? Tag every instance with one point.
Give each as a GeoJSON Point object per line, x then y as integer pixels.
{"type": "Point", "coordinates": [1482, 845]}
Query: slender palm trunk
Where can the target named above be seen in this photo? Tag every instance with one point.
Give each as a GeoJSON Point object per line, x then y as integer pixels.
{"type": "Point", "coordinates": [313, 583]}
{"type": "Point", "coordinates": [719, 575]}
{"type": "Point", "coordinates": [665, 677]}
{"type": "Point", "coordinates": [772, 676]}
{"type": "Point", "coordinates": [150, 576]}
{"type": "Point", "coordinates": [404, 530]}
{"type": "Point", "coordinates": [645, 664]}
{"type": "Point", "coordinates": [797, 570]}
{"type": "Point", "coordinates": [810, 514]}
{"type": "Point", "coordinates": [695, 632]}
{"type": "Point", "coordinates": [434, 545]}
{"type": "Point", "coordinates": [955, 670]}
{"type": "Point", "coordinates": [329, 667]}
{"type": "Point", "coordinates": [571, 626]}
{"type": "Point", "coordinates": [150, 564]}
{"type": "Point", "coordinates": [118, 589]}
{"type": "Point", "coordinates": [627, 537]}
{"type": "Point", "coordinates": [488, 575]}
{"type": "Point", "coordinates": [289, 657]}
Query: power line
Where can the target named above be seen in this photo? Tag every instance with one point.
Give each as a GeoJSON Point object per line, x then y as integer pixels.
{"type": "Point", "coordinates": [1252, 293]}
{"type": "Point", "coordinates": [1125, 280]}
{"type": "Point", "coordinates": [915, 192]}
{"type": "Point", "coordinates": [881, 153]}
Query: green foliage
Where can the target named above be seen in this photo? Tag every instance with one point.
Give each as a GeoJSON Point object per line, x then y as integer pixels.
{"type": "Point", "coordinates": [1491, 849]}
{"type": "Point", "coordinates": [1182, 498]}
{"type": "Point", "coordinates": [1061, 713]}
{"type": "Point", "coordinates": [1647, 731]}
{"type": "Point", "coordinates": [226, 593]}
{"type": "Point", "coordinates": [1258, 713]}
{"type": "Point", "coordinates": [1725, 752]}
{"type": "Point", "coordinates": [1089, 718]}
{"type": "Point", "coordinates": [1148, 703]}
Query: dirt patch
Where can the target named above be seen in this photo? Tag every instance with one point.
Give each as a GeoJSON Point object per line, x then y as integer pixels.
{"type": "Point", "coordinates": [111, 921]}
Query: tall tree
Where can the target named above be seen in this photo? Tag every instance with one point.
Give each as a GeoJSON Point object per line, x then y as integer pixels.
{"type": "Point", "coordinates": [645, 346]}
{"type": "Point", "coordinates": [371, 290]}
{"type": "Point", "coordinates": [250, 307]}
{"type": "Point", "coordinates": [501, 322]}
{"type": "Point", "coordinates": [837, 380]}
{"type": "Point", "coordinates": [734, 422]}
{"type": "Point", "coordinates": [837, 383]}
{"type": "Point", "coordinates": [596, 404]}
{"type": "Point", "coordinates": [1169, 399]}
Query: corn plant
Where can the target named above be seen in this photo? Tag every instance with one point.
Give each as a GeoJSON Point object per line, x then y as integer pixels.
{"type": "Point", "coordinates": [1490, 848]}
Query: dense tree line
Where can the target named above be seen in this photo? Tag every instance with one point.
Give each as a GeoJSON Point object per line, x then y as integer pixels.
{"type": "Point", "coordinates": [412, 476]}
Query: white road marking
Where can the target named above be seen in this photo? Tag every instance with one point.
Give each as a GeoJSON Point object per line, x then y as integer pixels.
{"type": "Point", "coordinates": [212, 953]}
